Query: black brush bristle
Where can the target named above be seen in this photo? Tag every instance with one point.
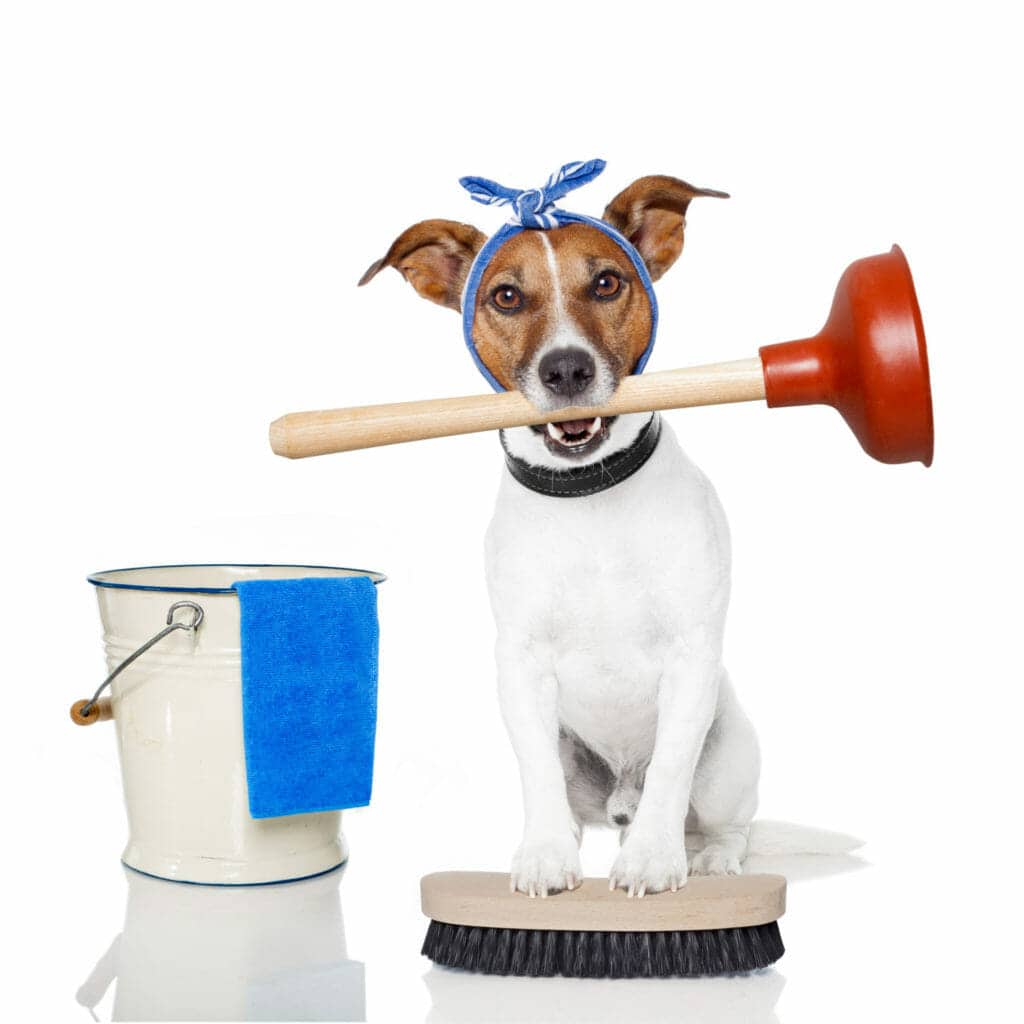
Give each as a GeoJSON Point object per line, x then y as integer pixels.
{"type": "Point", "coordinates": [546, 953]}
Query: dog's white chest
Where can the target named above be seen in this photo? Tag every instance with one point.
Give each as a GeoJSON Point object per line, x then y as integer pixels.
{"type": "Point", "coordinates": [603, 588]}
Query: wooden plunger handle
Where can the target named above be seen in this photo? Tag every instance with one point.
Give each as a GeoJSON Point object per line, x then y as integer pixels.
{"type": "Point", "coordinates": [301, 434]}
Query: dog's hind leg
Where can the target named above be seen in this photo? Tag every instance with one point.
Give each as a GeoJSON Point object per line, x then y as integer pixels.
{"type": "Point", "coordinates": [723, 798]}
{"type": "Point", "coordinates": [589, 780]}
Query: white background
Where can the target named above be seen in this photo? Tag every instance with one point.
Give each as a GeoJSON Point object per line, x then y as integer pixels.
{"type": "Point", "coordinates": [190, 192]}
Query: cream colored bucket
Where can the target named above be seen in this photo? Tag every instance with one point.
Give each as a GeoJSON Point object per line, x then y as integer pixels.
{"type": "Point", "coordinates": [177, 710]}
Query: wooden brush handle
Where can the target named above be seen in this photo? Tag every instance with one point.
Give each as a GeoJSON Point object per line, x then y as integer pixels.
{"type": "Point", "coordinates": [301, 434]}
{"type": "Point", "coordinates": [481, 899]}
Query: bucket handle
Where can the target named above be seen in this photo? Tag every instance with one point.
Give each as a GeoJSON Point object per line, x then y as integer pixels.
{"type": "Point", "coordinates": [86, 712]}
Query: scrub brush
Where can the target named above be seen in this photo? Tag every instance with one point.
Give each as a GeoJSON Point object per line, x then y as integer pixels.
{"type": "Point", "coordinates": [714, 925]}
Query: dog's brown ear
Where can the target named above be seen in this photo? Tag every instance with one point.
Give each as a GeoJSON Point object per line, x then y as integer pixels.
{"type": "Point", "coordinates": [434, 256]}
{"type": "Point", "coordinates": [651, 213]}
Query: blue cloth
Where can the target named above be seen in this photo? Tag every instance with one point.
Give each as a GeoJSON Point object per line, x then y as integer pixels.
{"type": "Point", "coordinates": [534, 209]}
{"type": "Point", "coordinates": [309, 693]}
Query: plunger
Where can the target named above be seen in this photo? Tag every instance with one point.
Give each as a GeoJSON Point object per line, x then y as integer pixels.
{"type": "Point", "coordinates": [869, 362]}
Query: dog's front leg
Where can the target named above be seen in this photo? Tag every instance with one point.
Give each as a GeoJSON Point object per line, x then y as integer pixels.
{"type": "Point", "coordinates": [653, 856]}
{"type": "Point", "coordinates": [548, 858]}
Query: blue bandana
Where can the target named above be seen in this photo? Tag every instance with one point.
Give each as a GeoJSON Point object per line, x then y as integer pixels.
{"type": "Point", "coordinates": [535, 208]}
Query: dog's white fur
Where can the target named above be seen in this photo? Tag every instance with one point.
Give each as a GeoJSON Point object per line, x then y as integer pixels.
{"type": "Point", "coordinates": [610, 611]}
{"type": "Point", "coordinates": [610, 608]}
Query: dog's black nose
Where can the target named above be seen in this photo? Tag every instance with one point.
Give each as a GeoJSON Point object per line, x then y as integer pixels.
{"type": "Point", "coordinates": [567, 371]}
{"type": "Point", "coordinates": [621, 819]}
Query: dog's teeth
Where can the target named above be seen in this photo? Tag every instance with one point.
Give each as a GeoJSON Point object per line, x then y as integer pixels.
{"type": "Point", "coordinates": [576, 437]}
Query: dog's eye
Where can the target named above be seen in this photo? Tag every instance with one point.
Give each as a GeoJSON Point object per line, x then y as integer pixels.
{"type": "Point", "coordinates": [607, 285]}
{"type": "Point", "coordinates": [507, 298]}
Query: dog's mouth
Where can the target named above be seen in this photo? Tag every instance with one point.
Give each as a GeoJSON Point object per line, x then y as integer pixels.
{"type": "Point", "coordinates": [575, 438]}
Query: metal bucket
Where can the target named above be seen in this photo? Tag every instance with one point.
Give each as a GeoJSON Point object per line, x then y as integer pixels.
{"type": "Point", "coordinates": [172, 638]}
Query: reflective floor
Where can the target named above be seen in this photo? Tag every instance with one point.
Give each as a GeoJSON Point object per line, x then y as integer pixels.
{"type": "Point", "coordinates": [279, 952]}
{"type": "Point", "coordinates": [217, 953]}
{"type": "Point", "coordinates": [461, 998]}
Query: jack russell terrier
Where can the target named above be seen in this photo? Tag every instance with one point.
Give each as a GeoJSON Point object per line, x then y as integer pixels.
{"type": "Point", "coordinates": [608, 555]}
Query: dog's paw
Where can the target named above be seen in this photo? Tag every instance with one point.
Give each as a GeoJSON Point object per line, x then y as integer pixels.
{"type": "Point", "coordinates": [648, 864]}
{"type": "Point", "coordinates": [545, 865]}
{"type": "Point", "coordinates": [716, 859]}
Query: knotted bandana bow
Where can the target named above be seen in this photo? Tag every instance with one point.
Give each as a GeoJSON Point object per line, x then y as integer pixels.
{"type": "Point", "coordinates": [534, 208]}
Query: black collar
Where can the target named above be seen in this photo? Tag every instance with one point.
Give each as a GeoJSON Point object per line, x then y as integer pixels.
{"type": "Point", "coordinates": [591, 478]}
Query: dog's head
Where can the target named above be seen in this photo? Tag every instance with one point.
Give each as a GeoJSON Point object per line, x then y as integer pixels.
{"type": "Point", "coordinates": [559, 314]}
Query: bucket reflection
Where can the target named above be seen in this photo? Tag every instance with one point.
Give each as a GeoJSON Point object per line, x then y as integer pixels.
{"type": "Point", "coordinates": [215, 953]}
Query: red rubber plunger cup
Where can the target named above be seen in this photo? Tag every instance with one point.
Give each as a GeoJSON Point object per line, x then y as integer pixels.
{"type": "Point", "coordinates": [869, 361]}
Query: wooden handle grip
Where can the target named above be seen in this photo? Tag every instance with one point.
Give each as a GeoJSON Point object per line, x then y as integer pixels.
{"type": "Point", "coordinates": [301, 434]}
{"type": "Point", "coordinates": [101, 711]}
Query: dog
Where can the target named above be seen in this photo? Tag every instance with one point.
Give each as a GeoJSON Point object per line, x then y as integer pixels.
{"type": "Point", "coordinates": [609, 603]}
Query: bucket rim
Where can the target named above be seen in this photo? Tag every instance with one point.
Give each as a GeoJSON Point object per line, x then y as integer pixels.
{"type": "Point", "coordinates": [96, 579]}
